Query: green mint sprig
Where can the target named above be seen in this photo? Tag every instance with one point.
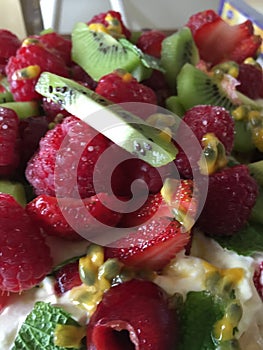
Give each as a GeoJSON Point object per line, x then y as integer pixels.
{"type": "Point", "coordinates": [37, 332]}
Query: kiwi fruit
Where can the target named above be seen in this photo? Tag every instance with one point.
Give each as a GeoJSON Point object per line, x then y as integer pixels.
{"type": "Point", "coordinates": [178, 49]}
{"type": "Point", "coordinates": [256, 171]}
{"type": "Point", "coordinates": [99, 53]}
{"type": "Point", "coordinates": [194, 87]}
{"type": "Point", "coordinates": [15, 189]}
{"type": "Point", "coordinates": [122, 127]}
{"type": "Point", "coordinates": [174, 105]}
{"type": "Point", "coordinates": [23, 109]}
{"type": "Point", "coordinates": [5, 94]}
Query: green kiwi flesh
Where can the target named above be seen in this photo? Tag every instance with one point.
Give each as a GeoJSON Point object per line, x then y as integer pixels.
{"type": "Point", "coordinates": [5, 94]}
{"type": "Point", "coordinates": [99, 53]}
{"type": "Point", "coordinates": [15, 189]}
{"type": "Point", "coordinates": [195, 87]}
{"type": "Point", "coordinates": [174, 105]}
{"type": "Point", "coordinates": [256, 171]}
{"type": "Point", "coordinates": [123, 128]}
{"type": "Point", "coordinates": [178, 49]}
{"type": "Point", "coordinates": [23, 109]}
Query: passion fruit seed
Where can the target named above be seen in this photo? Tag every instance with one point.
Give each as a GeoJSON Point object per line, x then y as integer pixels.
{"type": "Point", "coordinates": [213, 157]}
{"type": "Point", "coordinates": [229, 67]}
{"type": "Point", "coordinates": [30, 72]}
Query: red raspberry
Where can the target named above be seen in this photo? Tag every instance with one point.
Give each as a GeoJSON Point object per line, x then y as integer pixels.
{"type": "Point", "coordinates": [108, 18]}
{"type": "Point", "coordinates": [9, 154]}
{"type": "Point", "coordinates": [232, 193]}
{"type": "Point", "coordinates": [121, 86]}
{"type": "Point", "coordinates": [40, 170]}
{"type": "Point", "coordinates": [251, 80]}
{"type": "Point", "coordinates": [158, 84]}
{"type": "Point", "coordinates": [87, 215]}
{"type": "Point", "coordinates": [78, 74]}
{"type": "Point", "coordinates": [25, 258]}
{"type": "Point", "coordinates": [53, 110]}
{"type": "Point", "coordinates": [202, 119]}
{"type": "Point", "coordinates": [24, 69]}
{"type": "Point", "coordinates": [58, 43]}
{"type": "Point", "coordinates": [150, 42]}
{"type": "Point", "coordinates": [31, 130]}
{"type": "Point", "coordinates": [258, 279]}
{"type": "Point", "coordinates": [67, 277]}
{"type": "Point", "coordinates": [133, 315]}
{"type": "Point", "coordinates": [9, 43]}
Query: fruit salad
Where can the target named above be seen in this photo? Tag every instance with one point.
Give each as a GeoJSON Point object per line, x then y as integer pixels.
{"type": "Point", "coordinates": [131, 187]}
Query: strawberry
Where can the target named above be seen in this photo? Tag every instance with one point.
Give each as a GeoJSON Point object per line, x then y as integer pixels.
{"type": "Point", "coordinates": [71, 217]}
{"type": "Point", "coordinates": [152, 245]}
{"type": "Point", "coordinates": [133, 315]}
{"type": "Point", "coordinates": [150, 42]}
{"type": "Point", "coordinates": [176, 195]}
{"type": "Point", "coordinates": [24, 256]}
{"type": "Point", "coordinates": [231, 195]}
{"type": "Point", "coordinates": [9, 141]}
{"type": "Point", "coordinates": [218, 41]}
{"type": "Point", "coordinates": [4, 299]}
{"type": "Point", "coordinates": [67, 277]}
{"type": "Point", "coordinates": [258, 279]}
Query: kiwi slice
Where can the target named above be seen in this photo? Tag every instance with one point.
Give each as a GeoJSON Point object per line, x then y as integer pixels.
{"type": "Point", "coordinates": [256, 170]}
{"type": "Point", "coordinates": [120, 126]}
{"type": "Point", "coordinates": [23, 109]}
{"type": "Point", "coordinates": [257, 210]}
{"type": "Point", "coordinates": [99, 53]}
{"type": "Point", "coordinates": [5, 94]}
{"type": "Point", "coordinates": [15, 189]}
{"type": "Point", "coordinates": [174, 105]}
{"type": "Point", "coordinates": [195, 87]}
{"type": "Point", "coordinates": [178, 49]}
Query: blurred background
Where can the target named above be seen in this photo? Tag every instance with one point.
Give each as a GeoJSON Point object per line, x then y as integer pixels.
{"type": "Point", "coordinates": [29, 16]}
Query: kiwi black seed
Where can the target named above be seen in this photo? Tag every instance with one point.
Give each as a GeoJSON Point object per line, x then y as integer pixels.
{"type": "Point", "coordinates": [178, 49]}
{"type": "Point", "coordinates": [99, 53]}
{"type": "Point", "coordinates": [195, 87]}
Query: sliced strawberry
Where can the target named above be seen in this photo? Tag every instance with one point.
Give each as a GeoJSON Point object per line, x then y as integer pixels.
{"type": "Point", "coordinates": [70, 217]}
{"type": "Point", "coordinates": [67, 277]}
{"type": "Point", "coordinates": [4, 298]}
{"type": "Point", "coordinates": [175, 196]}
{"type": "Point", "coordinates": [152, 245]}
{"type": "Point", "coordinates": [218, 41]}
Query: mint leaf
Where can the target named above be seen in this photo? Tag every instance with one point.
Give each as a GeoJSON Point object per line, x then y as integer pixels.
{"type": "Point", "coordinates": [248, 241]}
{"type": "Point", "coordinates": [37, 332]}
{"type": "Point", "coordinates": [200, 312]}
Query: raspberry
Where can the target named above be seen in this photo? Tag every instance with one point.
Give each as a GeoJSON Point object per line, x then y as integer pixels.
{"type": "Point", "coordinates": [24, 69]}
{"type": "Point", "coordinates": [9, 154]}
{"type": "Point", "coordinates": [232, 193]}
{"type": "Point", "coordinates": [82, 77]}
{"type": "Point", "coordinates": [150, 42]}
{"type": "Point", "coordinates": [9, 43]}
{"type": "Point", "coordinates": [258, 279]}
{"type": "Point", "coordinates": [202, 119]}
{"type": "Point", "coordinates": [121, 86]}
{"type": "Point", "coordinates": [159, 85]}
{"type": "Point", "coordinates": [112, 20]}
{"type": "Point", "coordinates": [31, 130]}
{"type": "Point", "coordinates": [40, 170]}
{"type": "Point", "coordinates": [251, 80]}
{"type": "Point", "coordinates": [53, 110]}
{"type": "Point", "coordinates": [59, 44]}
{"type": "Point", "coordinates": [25, 258]}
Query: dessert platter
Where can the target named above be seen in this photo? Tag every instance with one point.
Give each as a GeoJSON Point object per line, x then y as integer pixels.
{"type": "Point", "coordinates": [131, 187]}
